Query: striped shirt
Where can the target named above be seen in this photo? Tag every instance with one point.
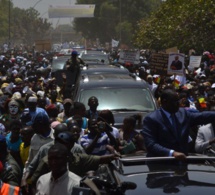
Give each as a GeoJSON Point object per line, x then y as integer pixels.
{"type": "Point", "coordinates": [100, 147]}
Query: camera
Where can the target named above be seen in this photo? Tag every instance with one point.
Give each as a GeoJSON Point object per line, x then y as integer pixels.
{"type": "Point", "coordinates": [101, 126]}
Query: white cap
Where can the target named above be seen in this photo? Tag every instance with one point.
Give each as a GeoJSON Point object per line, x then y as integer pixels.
{"type": "Point", "coordinates": [32, 99]}
{"type": "Point", "coordinates": [41, 93]}
{"type": "Point", "coordinates": [15, 72]}
{"type": "Point", "coordinates": [16, 95]}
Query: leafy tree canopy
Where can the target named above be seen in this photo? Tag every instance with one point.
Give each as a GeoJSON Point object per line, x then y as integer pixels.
{"type": "Point", "coordinates": [181, 23]}
{"type": "Point", "coordinates": [21, 25]}
{"type": "Point", "coordinates": [114, 19]}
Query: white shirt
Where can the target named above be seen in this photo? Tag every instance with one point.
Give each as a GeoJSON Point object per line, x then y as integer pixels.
{"type": "Point", "coordinates": [205, 134]}
{"type": "Point", "coordinates": [115, 132]}
{"type": "Point", "coordinates": [46, 185]}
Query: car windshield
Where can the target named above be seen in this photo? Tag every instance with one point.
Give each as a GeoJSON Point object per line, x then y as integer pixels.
{"type": "Point", "coordinates": [59, 62]}
{"type": "Point", "coordinates": [66, 51]}
{"type": "Point", "coordinates": [120, 99]}
{"type": "Point", "coordinates": [95, 57]}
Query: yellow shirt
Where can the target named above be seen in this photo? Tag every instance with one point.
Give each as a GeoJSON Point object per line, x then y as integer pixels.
{"type": "Point", "coordinates": [24, 151]}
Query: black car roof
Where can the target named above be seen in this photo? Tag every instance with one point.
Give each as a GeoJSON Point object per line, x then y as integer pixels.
{"type": "Point", "coordinates": [111, 81]}
{"type": "Point", "coordinates": [95, 66]}
{"type": "Point", "coordinates": [98, 69]}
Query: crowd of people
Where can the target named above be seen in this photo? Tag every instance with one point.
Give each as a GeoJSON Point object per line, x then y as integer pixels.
{"type": "Point", "coordinates": [48, 142]}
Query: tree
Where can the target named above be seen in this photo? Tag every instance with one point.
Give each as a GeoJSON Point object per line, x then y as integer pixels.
{"type": "Point", "coordinates": [181, 23]}
{"type": "Point", "coordinates": [114, 19]}
{"type": "Point", "coordinates": [25, 25]}
{"type": "Point", "coordinates": [33, 27]}
{"type": "Point", "coordinates": [4, 19]}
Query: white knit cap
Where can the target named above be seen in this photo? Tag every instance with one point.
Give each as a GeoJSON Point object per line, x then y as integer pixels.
{"type": "Point", "coordinates": [32, 99]}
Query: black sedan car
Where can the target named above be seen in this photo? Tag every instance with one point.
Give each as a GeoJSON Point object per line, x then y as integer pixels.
{"type": "Point", "coordinates": [123, 94]}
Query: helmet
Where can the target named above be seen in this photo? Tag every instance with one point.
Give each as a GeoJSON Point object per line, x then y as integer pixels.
{"type": "Point", "coordinates": [65, 137]}
{"type": "Point", "coordinates": [74, 53]}
{"type": "Point", "coordinates": [145, 63]}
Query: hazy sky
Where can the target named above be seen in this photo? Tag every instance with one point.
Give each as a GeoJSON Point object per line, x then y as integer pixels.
{"type": "Point", "coordinates": [42, 6]}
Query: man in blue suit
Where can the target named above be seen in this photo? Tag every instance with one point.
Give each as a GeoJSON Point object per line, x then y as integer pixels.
{"type": "Point", "coordinates": [167, 137]}
{"type": "Point", "coordinates": [176, 64]}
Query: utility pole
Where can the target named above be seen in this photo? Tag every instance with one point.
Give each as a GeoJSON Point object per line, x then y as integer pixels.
{"type": "Point", "coordinates": [120, 21]}
{"type": "Point", "coordinates": [9, 25]}
{"type": "Point", "coordinates": [36, 4]}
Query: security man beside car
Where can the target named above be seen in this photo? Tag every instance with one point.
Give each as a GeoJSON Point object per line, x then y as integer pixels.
{"type": "Point", "coordinates": [6, 188]}
{"type": "Point", "coordinates": [60, 180]}
{"type": "Point", "coordinates": [79, 164]}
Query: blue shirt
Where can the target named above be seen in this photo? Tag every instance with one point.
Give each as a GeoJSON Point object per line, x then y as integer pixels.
{"type": "Point", "coordinates": [34, 114]}
{"type": "Point", "coordinates": [13, 146]}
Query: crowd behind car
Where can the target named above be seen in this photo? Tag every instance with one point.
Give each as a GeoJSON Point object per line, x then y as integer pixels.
{"type": "Point", "coordinates": [42, 129]}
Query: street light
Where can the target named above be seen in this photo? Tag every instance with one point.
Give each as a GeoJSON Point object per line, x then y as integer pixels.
{"type": "Point", "coordinates": [43, 14]}
{"type": "Point", "coordinates": [36, 3]}
{"type": "Point", "coordinates": [31, 35]}
{"type": "Point", "coordinates": [120, 21]}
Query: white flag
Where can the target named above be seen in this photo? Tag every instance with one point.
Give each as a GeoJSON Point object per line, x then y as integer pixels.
{"type": "Point", "coordinates": [114, 43]}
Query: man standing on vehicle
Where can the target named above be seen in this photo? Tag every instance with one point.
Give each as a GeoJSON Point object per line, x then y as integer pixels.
{"type": "Point", "coordinates": [74, 64]}
{"type": "Point", "coordinates": [166, 130]}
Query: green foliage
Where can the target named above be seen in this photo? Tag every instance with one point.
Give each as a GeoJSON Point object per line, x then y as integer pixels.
{"type": "Point", "coordinates": [4, 19]}
{"type": "Point", "coordinates": [32, 26]}
{"type": "Point", "coordinates": [115, 19]}
{"type": "Point", "coordinates": [25, 25]}
{"type": "Point", "coordinates": [181, 23]}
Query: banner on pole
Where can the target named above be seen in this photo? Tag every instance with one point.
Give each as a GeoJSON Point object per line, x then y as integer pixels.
{"type": "Point", "coordinates": [195, 61]}
{"type": "Point", "coordinates": [76, 11]}
{"type": "Point", "coordinates": [129, 57]}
